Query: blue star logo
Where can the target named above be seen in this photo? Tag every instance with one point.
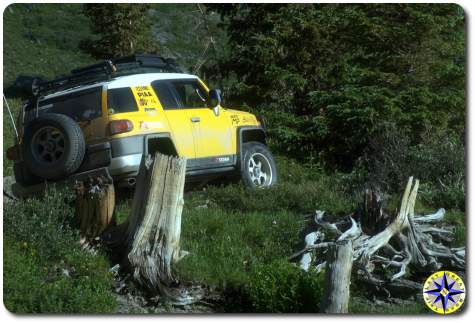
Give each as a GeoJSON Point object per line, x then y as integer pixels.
{"type": "Point", "coordinates": [444, 291]}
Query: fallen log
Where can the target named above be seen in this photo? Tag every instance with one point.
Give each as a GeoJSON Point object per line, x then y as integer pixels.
{"type": "Point", "coordinates": [382, 241]}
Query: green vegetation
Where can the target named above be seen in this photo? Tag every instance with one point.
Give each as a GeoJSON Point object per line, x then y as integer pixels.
{"type": "Point", "coordinates": [9, 133]}
{"type": "Point", "coordinates": [45, 269]}
{"type": "Point", "coordinates": [409, 307]}
{"type": "Point", "coordinates": [281, 287]}
{"type": "Point", "coordinates": [327, 76]}
{"type": "Point", "coordinates": [354, 95]}
{"type": "Point", "coordinates": [42, 40]}
{"type": "Point", "coordinates": [121, 29]}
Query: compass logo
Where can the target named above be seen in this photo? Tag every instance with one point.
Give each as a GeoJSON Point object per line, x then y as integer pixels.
{"type": "Point", "coordinates": [444, 292]}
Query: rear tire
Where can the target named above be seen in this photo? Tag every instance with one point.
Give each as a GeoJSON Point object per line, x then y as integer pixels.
{"type": "Point", "coordinates": [258, 169]}
{"type": "Point", "coordinates": [54, 146]}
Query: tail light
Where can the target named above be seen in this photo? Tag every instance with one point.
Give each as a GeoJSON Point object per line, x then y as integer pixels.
{"type": "Point", "coordinates": [120, 126]}
{"type": "Point", "coordinates": [12, 153]}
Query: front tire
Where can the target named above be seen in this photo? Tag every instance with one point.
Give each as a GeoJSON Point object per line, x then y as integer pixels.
{"type": "Point", "coordinates": [258, 169]}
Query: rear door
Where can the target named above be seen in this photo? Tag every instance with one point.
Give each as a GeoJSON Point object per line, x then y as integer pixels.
{"type": "Point", "coordinates": [84, 107]}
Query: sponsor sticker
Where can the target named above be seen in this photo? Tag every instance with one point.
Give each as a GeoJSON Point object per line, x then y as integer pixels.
{"type": "Point", "coordinates": [145, 97]}
{"type": "Point", "coordinates": [234, 119]}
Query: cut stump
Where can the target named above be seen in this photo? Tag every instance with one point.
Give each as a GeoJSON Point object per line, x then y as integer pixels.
{"type": "Point", "coordinates": [95, 199]}
{"type": "Point", "coordinates": [338, 278]}
{"type": "Point", "coordinates": [154, 227]}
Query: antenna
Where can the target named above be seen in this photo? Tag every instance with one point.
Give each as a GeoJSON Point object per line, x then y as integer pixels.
{"type": "Point", "coordinates": [11, 117]}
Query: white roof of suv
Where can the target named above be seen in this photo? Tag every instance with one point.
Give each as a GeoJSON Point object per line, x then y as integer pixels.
{"type": "Point", "coordinates": [127, 81]}
{"type": "Point", "coordinates": [146, 79]}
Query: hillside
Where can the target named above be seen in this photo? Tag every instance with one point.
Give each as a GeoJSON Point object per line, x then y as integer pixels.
{"type": "Point", "coordinates": [240, 240]}
{"type": "Point", "coordinates": [37, 43]}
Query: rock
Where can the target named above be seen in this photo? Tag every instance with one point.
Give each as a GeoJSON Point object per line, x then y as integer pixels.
{"type": "Point", "coordinates": [8, 196]}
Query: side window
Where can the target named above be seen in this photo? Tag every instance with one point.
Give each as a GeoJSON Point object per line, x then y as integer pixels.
{"type": "Point", "coordinates": [80, 106]}
{"type": "Point", "coordinates": [121, 100]}
{"type": "Point", "coordinates": [190, 93]}
{"type": "Point", "coordinates": [175, 94]}
{"type": "Point", "coordinates": [165, 94]}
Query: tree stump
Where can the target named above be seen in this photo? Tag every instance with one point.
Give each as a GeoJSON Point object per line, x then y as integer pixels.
{"type": "Point", "coordinates": [95, 199]}
{"type": "Point", "coordinates": [154, 227]}
{"type": "Point", "coordinates": [338, 277]}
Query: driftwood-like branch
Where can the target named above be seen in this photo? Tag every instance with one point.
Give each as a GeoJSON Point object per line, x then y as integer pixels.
{"type": "Point", "coordinates": [381, 241]}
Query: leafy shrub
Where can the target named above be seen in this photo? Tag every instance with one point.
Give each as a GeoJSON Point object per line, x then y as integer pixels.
{"type": "Point", "coordinates": [283, 287]}
{"type": "Point", "coordinates": [438, 160]}
{"type": "Point", "coordinates": [326, 75]}
{"type": "Point", "coordinates": [45, 269]}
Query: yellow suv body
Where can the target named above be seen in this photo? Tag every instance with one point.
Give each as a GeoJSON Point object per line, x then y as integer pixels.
{"type": "Point", "coordinates": [126, 117]}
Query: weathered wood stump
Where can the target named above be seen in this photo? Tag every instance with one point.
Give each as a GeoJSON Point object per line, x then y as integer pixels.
{"type": "Point", "coordinates": [338, 277]}
{"type": "Point", "coordinates": [95, 199]}
{"type": "Point", "coordinates": [152, 238]}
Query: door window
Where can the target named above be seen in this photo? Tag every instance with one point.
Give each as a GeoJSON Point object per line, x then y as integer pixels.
{"type": "Point", "coordinates": [165, 94]}
{"type": "Point", "coordinates": [187, 94]}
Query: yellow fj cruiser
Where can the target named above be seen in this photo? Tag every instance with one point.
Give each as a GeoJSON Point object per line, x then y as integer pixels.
{"type": "Point", "coordinates": [105, 117]}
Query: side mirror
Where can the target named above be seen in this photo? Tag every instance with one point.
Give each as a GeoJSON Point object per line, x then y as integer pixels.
{"type": "Point", "coordinates": [214, 100]}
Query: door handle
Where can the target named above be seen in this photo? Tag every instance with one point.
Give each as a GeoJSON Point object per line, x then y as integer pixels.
{"type": "Point", "coordinates": [195, 119]}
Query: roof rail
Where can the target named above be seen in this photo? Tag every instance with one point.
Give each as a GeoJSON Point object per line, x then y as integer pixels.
{"type": "Point", "coordinates": [128, 65]}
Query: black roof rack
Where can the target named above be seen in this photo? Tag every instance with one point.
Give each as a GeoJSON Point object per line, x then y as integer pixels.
{"type": "Point", "coordinates": [128, 65]}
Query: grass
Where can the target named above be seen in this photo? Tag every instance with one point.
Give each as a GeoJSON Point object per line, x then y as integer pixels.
{"type": "Point", "coordinates": [9, 133]}
{"type": "Point", "coordinates": [43, 40]}
{"type": "Point", "coordinates": [45, 269]}
{"type": "Point", "coordinates": [233, 235]}
{"type": "Point", "coordinates": [360, 306]}
{"type": "Point", "coordinates": [224, 248]}
{"type": "Point", "coordinates": [231, 231]}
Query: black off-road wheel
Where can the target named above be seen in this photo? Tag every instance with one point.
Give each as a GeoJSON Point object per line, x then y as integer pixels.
{"type": "Point", "coordinates": [258, 169]}
{"type": "Point", "coordinates": [54, 146]}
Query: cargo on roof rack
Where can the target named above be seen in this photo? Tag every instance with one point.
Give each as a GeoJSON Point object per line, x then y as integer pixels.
{"type": "Point", "coordinates": [128, 65]}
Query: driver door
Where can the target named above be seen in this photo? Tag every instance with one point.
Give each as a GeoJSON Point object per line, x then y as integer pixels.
{"type": "Point", "coordinates": [211, 133]}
